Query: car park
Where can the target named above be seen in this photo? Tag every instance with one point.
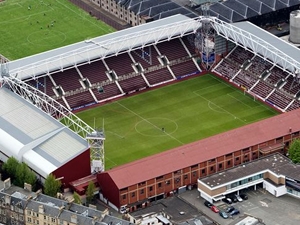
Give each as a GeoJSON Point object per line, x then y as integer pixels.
{"type": "Point", "coordinates": [238, 198]}
{"type": "Point", "coordinates": [223, 214]}
{"type": "Point", "coordinates": [208, 204]}
{"type": "Point", "coordinates": [234, 212]}
{"type": "Point", "coordinates": [244, 196]}
{"type": "Point", "coordinates": [230, 209]}
{"type": "Point", "coordinates": [227, 200]}
{"type": "Point", "coordinates": [214, 209]}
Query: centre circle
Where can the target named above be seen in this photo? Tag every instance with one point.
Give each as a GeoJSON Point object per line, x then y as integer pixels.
{"type": "Point", "coordinates": [46, 37]}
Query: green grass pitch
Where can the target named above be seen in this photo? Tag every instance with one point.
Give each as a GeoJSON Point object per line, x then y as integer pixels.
{"type": "Point", "coordinates": [188, 111]}
{"type": "Point", "coordinates": [29, 27]}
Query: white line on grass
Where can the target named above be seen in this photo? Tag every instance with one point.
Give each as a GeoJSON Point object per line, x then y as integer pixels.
{"type": "Point", "coordinates": [240, 101]}
{"type": "Point", "coordinates": [264, 105]}
{"type": "Point", "coordinates": [214, 109]}
{"type": "Point", "coordinates": [210, 102]}
{"type": "Point", "coordinates": [149, 122]}
{"type": "Point", "coordinates": [115, 164]}
{"type": "Point", "coordinates": [116, 134]}
{"type": "Point", "coordinates": [209, 86]}
{"type": "Point", "coordinates": [79, 14]}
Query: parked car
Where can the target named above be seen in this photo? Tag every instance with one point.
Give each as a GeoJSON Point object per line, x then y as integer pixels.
{"type": "Point", "coordinates": [230, 209]}
{"type": "Point", "coordinates": [223, 214]}
{"type": "Point", "coordinates": [227, 200]}
{"type": "Point", "coordinates": [208, 204]}
{"type": "Point", "coordinates": [123, 210]}
{"type": "Point", "coordinates": [233, 198]}
{"type": "Point", "coordinates": [234, 212]}
{"type": "Point", "coordinates": [238, 198]}
{"type": "Point", "coordinates": [244, 196]}
{"type": "Point", "coordinates": [214, 209]}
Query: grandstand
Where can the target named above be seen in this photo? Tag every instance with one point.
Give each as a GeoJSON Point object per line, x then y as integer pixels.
{"type": "Point", "coordinates": [125, 62]}
{"type": "Point", "coordinates": [106, 67]}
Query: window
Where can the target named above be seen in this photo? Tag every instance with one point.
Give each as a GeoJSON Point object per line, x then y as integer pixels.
{"type": "Point", "coordinates": [142, 183]}
{"type": "Point", "coordinates": [142, 191]}
{"type": "Point", "coordinates": [220, 165]}
{"type": "Point", "coordinates": [203, 171]}
{"type": "Point", "coordinates": [185, 177]}
{"type": "Point", "coordinates": [167, 182]}
{"type": "Point", "coordinates": [228, 155]}
{"type": "Point", "coordinates": [160, 177]}
{"type": "Point", "coordinates": [133, 194]}
{"type": "Point", "coordinates": [159, 185]}
{"type": "Point", "coordinates": [194, 166]}
{"type": "Point", "coordinates": [194, 173]}
{"type": "Point", "coordinates": [123, 197]}
{"type": "Point", "coordinates": [151, 188]}
{"type": "Point", "coordinates": [246, 150]}
{"type": "Point", "coordinates": [211, 168]}
{"type": "Point", "coordinates": [237, 158]}
{"type": "Point", "coordinates": [228, 163]}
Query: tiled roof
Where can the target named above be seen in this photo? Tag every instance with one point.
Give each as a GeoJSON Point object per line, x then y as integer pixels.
{"type": "Point", "coordinates": [205, 149]}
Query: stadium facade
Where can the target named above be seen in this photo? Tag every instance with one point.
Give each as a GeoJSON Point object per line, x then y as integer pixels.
{"type": "Point", "coordinates": [135, 59]}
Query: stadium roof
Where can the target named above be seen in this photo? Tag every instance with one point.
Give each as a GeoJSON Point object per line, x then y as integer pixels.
{"type": "Point", "coordinates": [237, 10]}
{"type": "Point", "coordinates": [260, 42]}
{"type": "Point", "coordinates": [101, 47]}
{"type": "Point", "coordinates": [155, 8]}
{"type": "Point", "coordinates": [205, 149]}
{"type": "Point", "coordinates": [283, 46]}
{"type": "Point", "coordinates": [33, 137]}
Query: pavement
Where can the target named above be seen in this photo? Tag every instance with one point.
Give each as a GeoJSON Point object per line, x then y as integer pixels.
{"type": "Point", "coordinates": [261, 204]}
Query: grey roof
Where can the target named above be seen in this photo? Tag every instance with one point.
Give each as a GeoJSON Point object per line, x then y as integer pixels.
{"type": "Point", "coordinates": [34, 137]}
{"type": "Point", "coordinates": [283, 46]}
{"type": "Point", "coordinates": [153, 8]}
{"type": "Point", "coordinates": [171, 207]}
{"type": "Point", "coordinates": [53, 207]}
{"type": "Point", "coordinates": [112, 220]}
{"type": "Point", "coordinates": [238, 10]}
{"type": "Point", "coordinates": [101, 47]}
{"type": "Point", "coordinates": [276, 163]}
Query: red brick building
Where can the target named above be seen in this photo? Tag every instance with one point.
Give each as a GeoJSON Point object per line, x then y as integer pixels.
{"type": "Point", "coordinates": [136, 184]}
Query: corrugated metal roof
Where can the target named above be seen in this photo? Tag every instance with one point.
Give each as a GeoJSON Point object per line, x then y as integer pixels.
{"type": "Point", "coordinates": [206, 149]}
{"type": "Point", "coordinates": [283, 46]}
{"type": "Point", "coordinates": [237, 10]}
{"type": "Point", "coordinates": [32, 136]}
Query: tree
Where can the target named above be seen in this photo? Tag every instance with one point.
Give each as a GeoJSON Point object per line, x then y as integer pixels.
{"type": "Point", "coordinates": [294, 151]}
{"type": "Point", "coordinates": [51, 186]}
{"type": "Point", "coordinates": [10, 166]}
{"type": "Point", "coordinates": [24, 175]}
{"type": "Point", "coordinates": [90, 192]}
{"type": "Point", "coordinates": [77, 198]}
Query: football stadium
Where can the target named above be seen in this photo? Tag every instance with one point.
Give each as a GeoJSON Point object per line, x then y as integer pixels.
{"type": "Point", "coordinates": [149, 109]}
